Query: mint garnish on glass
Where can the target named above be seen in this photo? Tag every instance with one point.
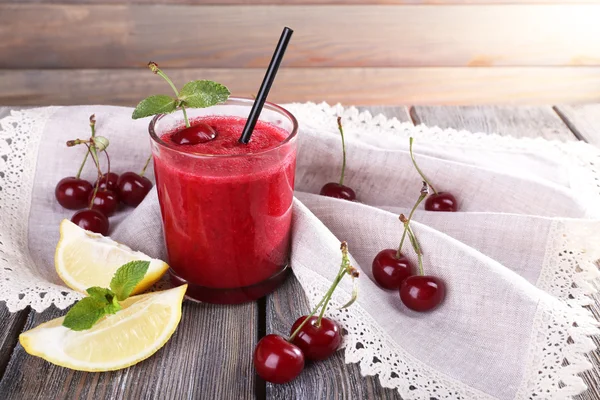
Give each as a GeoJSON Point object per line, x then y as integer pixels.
{"type": "Point", "coordinates": [102, 301]}
{"type": "Point", "coordinates": [195, 94]}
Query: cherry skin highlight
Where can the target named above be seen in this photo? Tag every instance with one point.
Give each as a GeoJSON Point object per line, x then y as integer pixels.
{"type": "Point", "coordinates": [335, 190]}
{"type": "Point", "coordinates": [109, 182]}
{"type": "Point", "coordinates": [442, 201]}
{"type": "Point", "coordinates": [105, 201]}
{"type": "Point", "coordinates": [133, 188]}
{"type": "Point", "coordinates": [389, 271]}
{"type": "Point", "coordinates": [317, 342]}
{"type": "Point", "coordinates": [422, 292]}
{"type": "Point", "coordinates": [196, 134]}
{"type": "Point", "coordinates": [276, 360]}
{"type": "Point", "coordinates": [91, 220]}
{"type": "Point", "coordinates": [73, 193]}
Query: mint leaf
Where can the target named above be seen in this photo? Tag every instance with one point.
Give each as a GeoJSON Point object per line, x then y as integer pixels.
{"type": "Point", "coordinates": [127, 277]}
{"type": "Point", "coordinates": [105, 296]}
{"type": "Point", "coordinates": [200, 94]}
{"type": "Point", "coordinates": [159, 104]}
{"type": "Point", "coordinates": [84, 314]}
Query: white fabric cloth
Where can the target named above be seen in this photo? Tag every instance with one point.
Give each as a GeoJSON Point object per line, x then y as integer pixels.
{"type": "Point", "coordinates": [518, 259]}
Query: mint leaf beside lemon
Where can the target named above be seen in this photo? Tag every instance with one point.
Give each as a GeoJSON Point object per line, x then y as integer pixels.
{"type": "Point", "coordinates": [195, 94]}
{"type": "Point", "coordinates": [102, 301]}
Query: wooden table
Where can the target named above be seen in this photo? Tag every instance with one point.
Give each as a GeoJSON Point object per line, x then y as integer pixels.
{"type": "Point", "coordinates": [210, 355]}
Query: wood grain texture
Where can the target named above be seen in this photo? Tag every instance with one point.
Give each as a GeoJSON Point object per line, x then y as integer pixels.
{"type": "Point", "coordinates": [12, 324]}
{"type": "Point", "coordinates": [115, 36]}
{"type": "Point", "coordinates": [332, 378]}
{"type": "Point", "coordinates": [458, 86]}
{"type": "Point", "coordinates": [584, 121]}
{"type": "Point", "coordinates": [209, 356]}
{"type": "Point", "coordinates": [520, 121]}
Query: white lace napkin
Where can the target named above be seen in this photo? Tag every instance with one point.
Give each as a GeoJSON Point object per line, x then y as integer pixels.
{"type": "Point", "coordinates": [518, 259]}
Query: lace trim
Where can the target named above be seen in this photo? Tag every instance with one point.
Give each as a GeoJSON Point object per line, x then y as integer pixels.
{"type": "Point", "coordinates": [20, 286]}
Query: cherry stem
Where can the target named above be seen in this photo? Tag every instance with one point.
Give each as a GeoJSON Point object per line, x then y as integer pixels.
{"type": "Point", "coordinates": [417, 248]}
{"type": "Point", "coordinates": [93, 124]}
{"type": "Point", "coordinates": [87, 153]}
{"type": "Point", "coordinates": [146, 165]}
{"type": "Point", "coordinates": [92, 150]}
{"type": "Point", "coordinates": [107, 164]}
{"type": "Point", "coordinates": [345, 268]}
{"type": "Point", "coordinates": [412, 157]}
{"type": "Point", "coordinates": [339, 122]}
{"type": "Point", "coordinates": [424, 193]}
{"type": "Point", "coordinates": [154, 67]}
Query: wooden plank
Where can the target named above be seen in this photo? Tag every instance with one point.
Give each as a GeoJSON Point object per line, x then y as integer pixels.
{"type": "Point", "coordinates": [523, 122]}
{"type": "Point", "coordinates": [114, 36]}
{"type": "Point", "coordinates": [209, 356]}
{"type": "Point", "coordinates": [332, 378]}
{"type": "Point", "coordinates": [12, 324]}
{"type": "Point", "coordinates": [346, 85]}
{"type": "Point", "coordinates": [307, 2]}
{"type": "Point", "coordinates": [520, 122]}
{"type": "Point", "coordinates": [583, 120]}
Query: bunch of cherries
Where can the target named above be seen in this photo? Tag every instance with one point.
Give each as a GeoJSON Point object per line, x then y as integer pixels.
{"type": "Point", "coordinates": [99, 201]}
{"type": "Point", "coordinates": [392, 270]}
{"type": "Point", "coordinates": [280, 360]}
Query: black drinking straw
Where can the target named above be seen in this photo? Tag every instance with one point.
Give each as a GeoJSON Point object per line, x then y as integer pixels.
{"type": "Point", "coordinates": [267, 82]}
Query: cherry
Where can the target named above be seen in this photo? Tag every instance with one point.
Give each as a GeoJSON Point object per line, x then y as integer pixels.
{"type": "Point", "coordinates": [109, 182]}
{"type": "Point", "coordinates": [317, 342]}
{"type": "Point", "coordinates": [91, 220]}
{"type": "Point", "coordinates": [441, 201]}
{"type": "Point", "coordinates": [133, 188]}
{"type": "Point", "coordinates": [73, 193]}
{"type": "Point", "coordinates": [105, 201]}
{"type": "Point", "coordinates": [196, 134]}
{"type": "Point", "coordinates": [389, 270]}
{"type": "Point", "coordinates": [422, 292]}
{"type": "Point", "coordinates": [334, 189]}
{"type": "Point", "coordinates": [276, 360]}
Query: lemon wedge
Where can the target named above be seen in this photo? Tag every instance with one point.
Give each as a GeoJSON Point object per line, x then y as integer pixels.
{"type": "Point", "coordinates": [120, 340]}
{"type": "Point", "coordinates": [84, 259]}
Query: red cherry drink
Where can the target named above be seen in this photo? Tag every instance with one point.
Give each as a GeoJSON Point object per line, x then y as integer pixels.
{"type": "Point", "coordinates": [227, 207]}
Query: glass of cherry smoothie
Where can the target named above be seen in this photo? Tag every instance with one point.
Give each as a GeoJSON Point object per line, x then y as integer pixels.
{"type": "Point", "coordinates": [227, 207]}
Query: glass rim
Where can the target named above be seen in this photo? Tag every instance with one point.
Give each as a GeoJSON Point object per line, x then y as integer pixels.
{"type": "Point", "coordinates": [242, 101]}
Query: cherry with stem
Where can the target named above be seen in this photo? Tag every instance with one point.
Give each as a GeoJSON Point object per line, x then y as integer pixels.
{"type": "Point", "coordinates": [438, 201]}
{"type": "Point", "coordinates": [278, 360]}
{"type": "Point", "coordinates": [134, 187]}
{"type": "Point", "coordinates": [337, 189]}
{"type": "Point", "coordinates": [390, 267]}
{"type": "Point", "coordinates": [420, 292]}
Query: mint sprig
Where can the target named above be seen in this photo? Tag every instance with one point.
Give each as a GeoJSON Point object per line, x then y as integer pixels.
{"type": "Point", "coordinates": [195, 94]}
{"type": "Point", "coordinates": [103, 301]}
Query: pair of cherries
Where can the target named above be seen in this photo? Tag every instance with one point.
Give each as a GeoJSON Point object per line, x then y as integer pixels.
{"type": "Point", "coordinates": [312, 337]}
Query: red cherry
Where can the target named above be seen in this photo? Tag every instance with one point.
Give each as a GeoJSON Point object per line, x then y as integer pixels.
{"type": "Point", "coordinates": [276, 360]}
{"type": "Point", "coordinates": [442, 201]}
{"type": "Point", "coordinates": [199, 133]}
{"type": "Point", "coordinates": [422, 292]}
{"type": "Point", "coordinates": [389, 271]}
{"type": "Point", "coordinates": [108, 182]}
{"type": "Point", "coordinates": [106, 201]}
{"type": "Point", "coordinates": [91, 220]}
{"type": "Point", "coordinates": [317, 342]}
{"type": "Point", "coordinates": [334, 189]}
{"type": "Point", "coordinates": [133, 188]}
{"type": "Point", "coordinates": [73, 193]}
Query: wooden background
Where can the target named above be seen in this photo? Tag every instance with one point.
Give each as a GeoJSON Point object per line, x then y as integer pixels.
{"type": "Point", "coordinates": [349, 51]}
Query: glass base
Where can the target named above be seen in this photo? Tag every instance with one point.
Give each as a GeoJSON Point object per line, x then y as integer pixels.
{"type": "Point", "coordinates": [231, 295]}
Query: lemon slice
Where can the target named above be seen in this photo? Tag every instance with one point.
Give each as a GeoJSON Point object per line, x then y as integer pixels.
{"type": "Point", "coordinates": [84, 259]}
{"type": "Point", "coordinates": [120, 340]}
